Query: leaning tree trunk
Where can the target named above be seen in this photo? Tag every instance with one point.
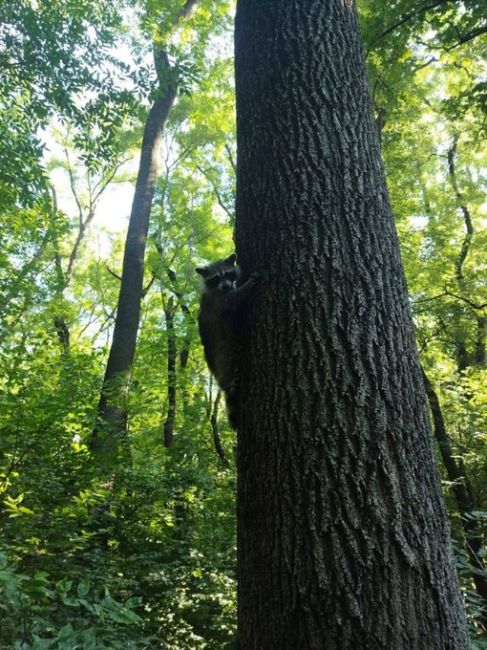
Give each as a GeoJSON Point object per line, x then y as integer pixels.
{"type": "Point", "coordinates": [111, 409]}
{"type": "Point", "coordinates": [109, 434]}
{"type": "Point", "coordinates": [343, 539]}
{"type": "Point", "coordinates": [463, 493]}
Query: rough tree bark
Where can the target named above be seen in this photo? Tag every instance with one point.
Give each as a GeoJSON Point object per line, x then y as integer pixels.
{"type": "Point", "coordinates": [343, 540]}
{"type": "Point", "coordinates": [112, 414]}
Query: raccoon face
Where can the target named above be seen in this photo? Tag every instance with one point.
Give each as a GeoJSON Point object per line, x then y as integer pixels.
{"type": "Point", "coordinates": [220, 276]}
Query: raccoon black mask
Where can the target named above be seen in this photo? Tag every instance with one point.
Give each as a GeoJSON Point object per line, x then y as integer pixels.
{"type": "Point", "coordinates": [221, 275]}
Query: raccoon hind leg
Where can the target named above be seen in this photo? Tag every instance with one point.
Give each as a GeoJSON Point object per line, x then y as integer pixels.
{"type": "Point", "coordinates": [230, 389]}
{"type": "Point", "coordinates": [226, 375]}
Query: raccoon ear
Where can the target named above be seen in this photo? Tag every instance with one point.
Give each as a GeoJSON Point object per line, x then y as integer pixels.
{"type": "Point", "coordinates": [231, 259]}
{"type": "Point", "coordinates": [202, 270]}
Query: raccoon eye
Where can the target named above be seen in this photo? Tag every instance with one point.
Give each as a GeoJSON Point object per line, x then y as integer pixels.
{"type": "Point", "coordinates": [230, 275]}
{"type": "Point", "coordinates": [212, 283]}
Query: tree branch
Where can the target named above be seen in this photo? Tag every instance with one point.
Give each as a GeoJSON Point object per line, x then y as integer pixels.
{"type": "Point", "coordinates": [115, 275]}
{"type": "Point", "coordinates": [470, 303]}
{"type": "Point", "coordinates": [161, 59]}
{"type": "Point", "coordinates": [100, 186]}
{"type": "Point", "coordinates": [462, 490]}
{"type": "Point", "coordinates": [230, 158]}
{"type": "Point", "coordinates": [467, 37]}
{"type": "Point", "coordinates": [146, 289]}
{"type": "Point", "coordinates": [410, 16]}
{"type": "Point", "coordinates": [169, 310]}
{"type": "Point", "coordinates": [466, 213]}
{"type": "Point", "coordinates": [217, 193]}
{"type": "Point", "coordinates": [72, 183]}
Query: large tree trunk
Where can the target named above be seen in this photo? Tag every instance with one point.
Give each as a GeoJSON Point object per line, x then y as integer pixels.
{"type": "Point", "coordinates": [343, 540]}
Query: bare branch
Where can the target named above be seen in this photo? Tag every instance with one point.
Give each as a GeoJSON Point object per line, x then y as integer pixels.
{"type": "Point", "coordinates": [217, 193]}
{"type": "Point", "coordinates": [462, 256]}
{"type": "Point", "coordinates": [421, 66]}
{"type": "Point", "coordinates": [100, 186]}
{"type": "Point", "coordinates": [72, 183]}
{"type": "Point", "coordinates": [172, 276]}
{"type": "Point", "coordinates": [83, 222]}
{"type": "Point", "coordinates": [410, 16]}
{"type": "Point", "coordinates": [77, 244]}
{"type": "Point", "coordinates": [230, 158]}
{"type": "Point", "coordinates": [185, 152]}
{"type": "Point", "coordinates": [417, 302]}
{"type": "Point", "coordinates": [470, 303]}
{"type": "Point", "coordinates": [115, 275]}
{"type": "Point", "coordinates": [467, 37]}
{"type": "Point", "coordinates": [146, 290]}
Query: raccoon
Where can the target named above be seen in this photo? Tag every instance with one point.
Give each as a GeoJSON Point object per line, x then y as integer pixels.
{"type": "Point", "coordinates": [219, 320]}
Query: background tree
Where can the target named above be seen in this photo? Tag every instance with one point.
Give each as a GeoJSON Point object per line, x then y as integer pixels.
{"type": "Point", "coordinates": [429, 95]}
{"type": "Point", "coordinates": [340, 512]}
{"type": "Point", "coordinates": [109, 433]}
{"type": "Point", "coordinates": [64, 586]}
{"type": "Point", "coordinates": [112, 412]}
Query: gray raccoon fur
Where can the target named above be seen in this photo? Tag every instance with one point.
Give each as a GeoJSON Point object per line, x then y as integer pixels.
{"type": "Point", "coordinates": [219, 321]}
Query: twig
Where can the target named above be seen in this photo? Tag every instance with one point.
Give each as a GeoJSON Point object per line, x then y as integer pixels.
{"type": "Point", "coordinates": [115, 275]}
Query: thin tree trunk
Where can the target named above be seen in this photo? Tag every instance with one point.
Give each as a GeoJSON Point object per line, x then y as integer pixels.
{"type": "Point", "coordinates": [170, 305]}
{"type": "Point", "coordinates": [462, 490]}
{"type": "Point", "coordinates": [343, 539]}
{"type": "Point", "coordinates": [111, 408]}
{"type": "Point", "coordinates": [112, 414]}
{"type": "Point", "coordinates": [467, 217]}
{"type": "Point", "coordinates": [172, 353]}
{"type": "Point", "coordinates": [186, 338]}
{"type": "Point", "coordinates": [463, 356]}
{"type": "Point", "coordinates": [479, 355]}
{"type": "Point", "coordinates": [28, 268]}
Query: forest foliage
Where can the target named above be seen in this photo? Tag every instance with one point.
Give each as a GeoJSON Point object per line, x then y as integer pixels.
{"type": "Point", "coordinates": [141, 552]}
